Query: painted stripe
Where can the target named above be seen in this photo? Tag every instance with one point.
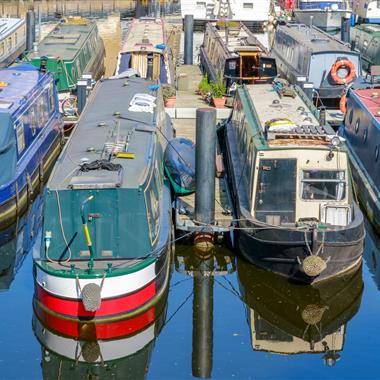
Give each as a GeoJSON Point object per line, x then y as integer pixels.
{"type": "Point", "coordinates": [112, 287]}
{"type": "Point", "coordinates": [108, 307]}
{"type": "Point", "coordinates": [110, 349]}
{"type": "Point", "coordinates": [92, 331]}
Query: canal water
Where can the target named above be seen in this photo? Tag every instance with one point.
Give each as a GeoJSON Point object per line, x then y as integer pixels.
{"type": "Point", "coordinates": [221, 319]}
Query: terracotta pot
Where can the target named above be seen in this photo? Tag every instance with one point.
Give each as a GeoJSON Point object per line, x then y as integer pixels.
{"type": "Point", "coordinates": [219, 102]}
{"type": "Point", "coordinates": [170, 102]}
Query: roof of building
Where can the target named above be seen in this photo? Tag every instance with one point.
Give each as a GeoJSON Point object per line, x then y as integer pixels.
{"type": "Point", "coordinates": [16, 82]}
{"type": "Point", "coordinates": [144, 34]}
{"type": "Point", "coordinates": [106, 124]}
{"type": "Point", "coordinates": [313, 38]}
{"type": "Point", "coordinates": [65, 40]}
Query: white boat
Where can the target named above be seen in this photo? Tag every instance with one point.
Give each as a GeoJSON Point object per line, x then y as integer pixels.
{"type": "Point", "coordinates": [12, 39]}
{"type": "Point", "coordinates": [366, 11]}
{"type": "Point", "coordinates": [247, 10]}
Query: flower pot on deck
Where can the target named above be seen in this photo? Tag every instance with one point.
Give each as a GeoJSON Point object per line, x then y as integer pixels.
{"type": "Point", "coordinates": [170, 102]}
{"type": "Point", "coordinates": [219, 102]}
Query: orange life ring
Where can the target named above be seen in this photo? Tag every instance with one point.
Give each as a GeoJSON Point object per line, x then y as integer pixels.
{"type": "Point", "coordinates": [343, 104]}
{"type": "Point", "coordinates": [346, 63]}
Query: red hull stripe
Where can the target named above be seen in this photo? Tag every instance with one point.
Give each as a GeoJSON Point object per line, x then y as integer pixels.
{"type": "Point", "coordinates": [93, 331]}
{"type": "Point", "coordinates": [108, 307]}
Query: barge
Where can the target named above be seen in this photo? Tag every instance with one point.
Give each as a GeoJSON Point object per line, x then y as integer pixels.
{"type": "Point", "coordinates": [231, 53]}
{"type": "Point", "coordinates": [291, 186]}
{"type": "Point", "coordinates": [12, 40]}
{"type": "Point", "coordinates": [292, 319]}
{"type": "Point", "coordinates": [145, 50]}
{"type": "Point", "coordinates": [31, 137]}
{"type": "Point", "coordinates": [105, 247]}
{"type": "Point", "coordinates": [316, 61]}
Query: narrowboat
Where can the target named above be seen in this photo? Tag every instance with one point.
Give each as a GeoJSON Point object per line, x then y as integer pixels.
{"type": "Point", "coordinates": [145, 50]}
{"type": "Point", "coordinates": [291, 319]}
{"type": "Point", "coordinates": [17, 241]}
{"type": "Point", "coordinates": [361, 129]}
{"type": "Point", "coordinates": [291, 186]}
{"type": "Point", "coordinates": [31, 137]}
{"type": "Point", "coordinates": [232, 53]}
{"type": "Point", "coordinates": [365, 38]}
{"type": "Point", "coordinates": [12, 40]}
{"type": "Point", "coordinates": [366, 11]}
{"type": "Point", "coordinates": [325, 15]}
{"type": "Point", "coordinates": [86, 350]}
{"type": "Point", "coordinates": [253, 12]}
{"type": "Point", "coordinates": [315, 60]}
{"type": "Point", "coordinates": [105, 245]}
{"type": "Point", "coordinates": [71, 49]}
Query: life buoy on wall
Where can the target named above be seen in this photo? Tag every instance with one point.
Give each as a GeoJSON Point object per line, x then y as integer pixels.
{"type": "Point", "coordinates": [343, 63]}
{"type": "Point", "coordinates": [343, 104]}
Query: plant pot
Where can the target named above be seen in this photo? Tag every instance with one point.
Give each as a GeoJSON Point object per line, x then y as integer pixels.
{"type": "Point", "coordinates": [170, 102]}
{"type": "Point", "coordinates": [219, 102]}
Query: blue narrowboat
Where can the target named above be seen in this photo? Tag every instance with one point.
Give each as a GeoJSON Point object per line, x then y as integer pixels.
{"type": "Point", "coordinates": [30, 136]}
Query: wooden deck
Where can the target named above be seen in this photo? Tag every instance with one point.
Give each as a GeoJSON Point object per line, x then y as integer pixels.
{"type": "Point", "coordinates": [185, 205]}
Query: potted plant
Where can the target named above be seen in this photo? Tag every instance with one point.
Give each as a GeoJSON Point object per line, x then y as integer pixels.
{"type": "Point", "coordinates": [218, 90]}
{"type": "Point", "coordinates": [169, 94]}
{"type": "Point", "coordinates": [204, 86]}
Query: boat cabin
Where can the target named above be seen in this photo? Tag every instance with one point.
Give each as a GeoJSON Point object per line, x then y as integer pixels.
{"type": "Point", "coordinates": [313, 59]}
{"type": "Point", "coordinates": [145, 50]}
{"type": "Point", "coordinates": [12, 39]}
{"type": "Point", "coordinates": [366, 11]}
{"type": "Point", "coordinates": [71, 49]}
{"type": "Point", "coordinates": [295, 170]}
{"type": "Point", "coordinates": [232, 53]}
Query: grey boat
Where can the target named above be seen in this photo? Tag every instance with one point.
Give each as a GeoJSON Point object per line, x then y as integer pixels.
{"type": "Point", "coordinates": [316, 61]}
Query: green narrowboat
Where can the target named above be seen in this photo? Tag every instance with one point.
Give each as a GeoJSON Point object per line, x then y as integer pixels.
{"type": "Point", "coordinates": [71, 49]}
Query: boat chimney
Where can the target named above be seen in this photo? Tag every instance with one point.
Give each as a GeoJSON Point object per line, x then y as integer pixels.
{"type": "Point", "coordinates": [189, 31]}
{"type": "Point", "coordinates": [345, 29]}
{"type": "Point", "coordinates": [322, 116]}
{"type": "Point", "coordinates": [205, 175]}
{"type": "Point", "coordinates": [149, 70]}
{"type": "Point", "coordinates": [311, 22]}
{"type": "Point", "coordinates": [30, 29]}
{"type": "Point", "coordinates": [35, 47]}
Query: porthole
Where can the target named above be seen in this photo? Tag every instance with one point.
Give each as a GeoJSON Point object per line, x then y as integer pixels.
{"type": "Point", "coordinates": [376, 153]}
{"type": "Point", "coordinates": [351, 116]}
{"type": "Point", "coordinates": [365, 135]}
{"type": "Point", "coordinates": [357, 125]}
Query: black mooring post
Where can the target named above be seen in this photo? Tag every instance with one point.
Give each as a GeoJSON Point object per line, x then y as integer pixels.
{"type": "Point", "coordinates": [345, 29]}
{"type": "Point", "coordinates": [30, 29]}
{"type": "Point", "coordinates": [189, 31]}
{"type": "Point", "coordinates": [81, 95]}
{"type": "Point", "coordinates": [203, 320]}
{"type": "Point", "coordinates": [205, 165]}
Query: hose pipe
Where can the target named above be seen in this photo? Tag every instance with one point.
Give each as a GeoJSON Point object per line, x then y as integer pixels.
{"type": "Point", "coordinates": [87, 232]}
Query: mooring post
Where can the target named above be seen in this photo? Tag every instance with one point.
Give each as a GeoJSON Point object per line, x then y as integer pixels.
{"type": "Point", "coordinates": [189, 31]}
{"type": "Point", "coordinates": [205, 174]}
{"type": "Point", "coordinates": [81, 95]}
{"type": "Point", "coordinates": [345, 29]}
{"type": "Point", "coordinates": [203, 305]}
{"type": "Point", "coordinates": [30, 29]}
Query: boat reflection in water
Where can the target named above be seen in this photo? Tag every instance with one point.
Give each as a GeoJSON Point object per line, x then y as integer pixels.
{"type": "Point", "coordinates": [80, 350]}
{"type": "Point", "coordinates": [16, 241]}
{"type": "Point", "coordinates": [288, 318]}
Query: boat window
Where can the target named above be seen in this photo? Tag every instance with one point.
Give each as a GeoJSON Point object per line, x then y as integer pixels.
{"type": "Point", "coordinates": [201, 4]}
{"type": "Point", "coordinates": [32, 119]}
{"type": "Point", "coordinates": [42, 110]}
{"type": "Point", "coordinates": [153, 208]}
{"type": "Point", "coordinates": [2, 48]}
{"type": "Point", "coordinates": [248, 5]}
{"type": "Point", "coordinates": [15, 38]}
{"type": "Point", "coordinates": [20, 137]}
{"type": "Point", "coordinates": [275, 201]}
{"type": "Point", "coordinates": [365, 135]}
{"type": "Point", "coordinates": [9, 43]}
{"type": "Point", "coordinates": [351, 116]}
{"type": "Point", "coordinates": [323, 185]}
{"type": "Point", "coordinates": [357, 125]}
{"type": "Point", "coordinates": [51, 100]}
{"type": "Point", "coordinates": [377, 152]}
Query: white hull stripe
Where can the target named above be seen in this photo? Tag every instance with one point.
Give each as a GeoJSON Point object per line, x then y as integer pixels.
{"type": "Point", "coordinates": [112, 286]}
{"type": "Point", "coordinates": [110, 349]}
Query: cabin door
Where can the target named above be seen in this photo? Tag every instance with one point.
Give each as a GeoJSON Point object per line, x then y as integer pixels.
{"type": "Point", "coordinates": [140, 63]}
{"type": "Point", "coordinates": [276, 191]}
{"type": "Point", "coordinates": [249, 66]}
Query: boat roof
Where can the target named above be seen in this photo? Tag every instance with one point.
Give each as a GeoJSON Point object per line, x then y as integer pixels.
{"type": "Point", "coordinates": [16, 82]}
{"type": "Point", "coordinates": [105, 122]}
{"type": "Point", "coordinates": [8, 25]}
{"type": "Point", "coordinates": [65, 40]}
{"type": "Point", "coordinates": [302, 127]}
{"type": "Point", "coordinates": [240, 38]}
{"type": "Point", "coordinates": [144, 34]}
{"type": "Point", "coordinates": [373, 29]}
{"type": "Point", "coordinates": [370, 99]}
{"type": "Point", "coordinates": [313, 38]}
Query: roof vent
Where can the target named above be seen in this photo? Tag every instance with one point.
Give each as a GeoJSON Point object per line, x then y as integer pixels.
{"type": "Point", "coordinates": [145, 40]}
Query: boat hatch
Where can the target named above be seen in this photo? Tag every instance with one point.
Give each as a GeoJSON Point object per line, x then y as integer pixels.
{"type": "Point", "coordinates": [336, 215]}
{"type": "Point", "coordinates": [67, 39]}
{"type": "Point", "coordinates": [99, 179]}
